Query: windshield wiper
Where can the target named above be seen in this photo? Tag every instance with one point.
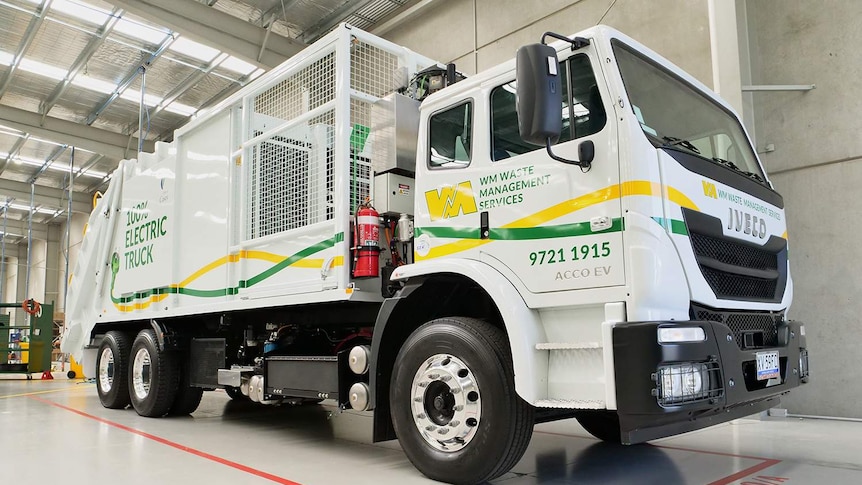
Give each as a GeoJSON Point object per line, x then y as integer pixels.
{"type": "Point", "coordinates": [727, 163]}
{"type": "Point", "coordinates": [670, 141]}
{"type": "Point", "coordinates": [755, 177]}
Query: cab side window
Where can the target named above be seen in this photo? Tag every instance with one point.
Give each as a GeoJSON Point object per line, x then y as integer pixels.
{"type": "Point", "coordinates": [581, 109]}
{"type": "Point", "coordinates": [450, 133]}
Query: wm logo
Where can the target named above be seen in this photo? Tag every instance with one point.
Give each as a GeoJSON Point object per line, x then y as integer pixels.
{"type": "Point", "coordinates": [451, 201]}
{"type": "Point", "coordinates": [709, 189]}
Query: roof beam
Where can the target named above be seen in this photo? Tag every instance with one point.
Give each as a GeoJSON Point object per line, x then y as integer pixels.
{"type": "Point", "coordinates": [108, 143]}
{"type": "Point", "coordinates": [270, 16]}
{"type": "Point", "coordinates": [45, 196]}
{"type": "Point", "coordinates": [19, 228]}
{"type": "Point", "coordinates": [13, 152]}
{"type": "Point", "coordinates": [29, 35]}
{"type": "Point", "coordinates": [129, 79]}
{"type": "Point", "coordinates": [180, 89]}
{"type": "Point", "coordinates": [345, 10]}
{"type": "Point", "coordinates": [216, 29]}
{"type": "Point", "coordinates": [53, 156]}
{"type": "Point", "coordinates": [81, 61]}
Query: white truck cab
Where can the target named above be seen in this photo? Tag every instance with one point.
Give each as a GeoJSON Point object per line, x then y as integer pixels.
{"type": "Point", "coordinates": [582, 232]}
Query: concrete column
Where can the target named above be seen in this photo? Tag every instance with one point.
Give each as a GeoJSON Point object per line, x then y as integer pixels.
{"type": "Point", "coordinates": [54, 263]}
{"type": "Point", "coordinates": [38, 268]}
{"type": "Point", "coordinates": [10, 286]}
{"type": "Point", "coordinates": [724, 46]}
{"type": "Point", "coordinates": [76, 236]}
{"type": "Point", "coordinates": [20, 280]}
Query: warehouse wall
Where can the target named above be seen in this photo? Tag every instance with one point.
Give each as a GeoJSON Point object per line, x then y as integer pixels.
{"type": "Point", "coordinates": [478, 34]}
{"type": "Point", "coordinates": [817, 166]}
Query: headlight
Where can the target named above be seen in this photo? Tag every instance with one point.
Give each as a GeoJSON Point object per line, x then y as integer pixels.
{"type": "Point", "coordinates": [683, 383]}
{"type": "Point", "coordinates": [668, 335]}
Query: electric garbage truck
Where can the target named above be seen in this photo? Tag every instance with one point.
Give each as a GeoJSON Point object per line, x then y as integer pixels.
{"type": "Point", "coordinates": [584, 231]}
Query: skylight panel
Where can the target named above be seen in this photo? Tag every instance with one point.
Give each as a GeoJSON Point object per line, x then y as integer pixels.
{"type": "Point", "coordinates": [238, 65]}
{"type": "Point", "coordinates": [42, 69]}
{"type": "Point", "coordinates": [194, 49]}
{"type": "Point", "coordinates": [94, 84]}
{"type": "Point", "coordinates": [181, 109]}
{"type": "Point", "coordinates": [81, 10]}
{"type": "Point", "coordinates": [134, 95]}
{"type": "Point", "coordinates": [140, 31]}
{"type": "Point", "coordinates": [6, 58]}
{"type": "Point", "coordinates": [93, 173]}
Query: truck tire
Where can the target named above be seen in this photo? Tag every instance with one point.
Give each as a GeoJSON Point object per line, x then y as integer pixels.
{"type": "Point", "coordinates": [188, 397]}
{"type": "Point", "coordinates": [453, 401]}
{"type": "Point", "coordinates": [604, 425]}
{"type": "Point", "coordinates": [153, 376]}
{"type": "Point", "coordinates": [112, 370]}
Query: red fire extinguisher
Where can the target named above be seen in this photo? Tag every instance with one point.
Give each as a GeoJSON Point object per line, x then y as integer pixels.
{"type": "Point", "coordinates": [366, 251]}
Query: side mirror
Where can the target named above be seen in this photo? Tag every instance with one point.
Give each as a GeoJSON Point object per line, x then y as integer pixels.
{"type": "Point", "coordinates": [538, 94]}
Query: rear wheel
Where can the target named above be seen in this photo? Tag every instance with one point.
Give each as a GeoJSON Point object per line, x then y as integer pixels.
{"type": "Point", "coordinates": [153, 376]}
{"type": "Point", "coordinates": [453, 401]}
{"type": "Point", "coordinates": [188, 397]}
{"type": "Point", "coordinates": [112, 367]}
{"type": "Point", "coordinates": [604, 425]}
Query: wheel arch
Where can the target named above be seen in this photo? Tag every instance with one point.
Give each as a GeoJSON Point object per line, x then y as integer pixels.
{"type": "Point", "coordinates": [431, 291]}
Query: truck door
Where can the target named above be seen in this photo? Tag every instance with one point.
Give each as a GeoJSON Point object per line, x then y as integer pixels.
{"type": "Point", "coordinates": [555, 225]}
{"type": "Point", "coordinates": [486, 194]}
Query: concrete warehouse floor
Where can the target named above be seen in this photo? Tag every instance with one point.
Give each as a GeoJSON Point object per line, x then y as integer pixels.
{"type": "Point", "coordinates": [57, 432]}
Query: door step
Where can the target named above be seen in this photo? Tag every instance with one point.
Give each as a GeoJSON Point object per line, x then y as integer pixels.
{"type": "Point", "coordinates": [569, 346]}
{"type": "Point", "coordinates": [570, 404]}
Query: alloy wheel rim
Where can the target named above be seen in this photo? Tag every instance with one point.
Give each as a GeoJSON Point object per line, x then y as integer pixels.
{"type": "Point", "coordinates": [141, 374]}
{"type": "Point", "coordinates": [446, 404]}
{"type": "Point", "coordinates": [106, 370]}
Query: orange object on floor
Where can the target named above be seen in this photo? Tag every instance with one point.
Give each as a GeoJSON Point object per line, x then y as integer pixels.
{"type": "Point", "coordinates": [46, 376]}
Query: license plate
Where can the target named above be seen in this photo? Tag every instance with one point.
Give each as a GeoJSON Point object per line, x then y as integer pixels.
{"type": "Point", "coordinates": [767, 365]}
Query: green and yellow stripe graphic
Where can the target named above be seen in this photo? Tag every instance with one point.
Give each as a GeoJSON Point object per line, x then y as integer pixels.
{"type": "Point", "coordinates": [530, 227]}
{"type": "Point", "coordinates": [140, 300]}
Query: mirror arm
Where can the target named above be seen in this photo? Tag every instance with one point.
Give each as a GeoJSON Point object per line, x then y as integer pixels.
{"type": "Point", "coordinates": [577, 42]}
{"type": "Point", "coordinates": [585, 166]}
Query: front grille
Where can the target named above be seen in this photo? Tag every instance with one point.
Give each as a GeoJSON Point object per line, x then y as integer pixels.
{"type": "Point", "coordinates": [730, 252]}
{"type": "Point", "coordinates": [739, 286]}
{"type": "Point", "coordinates": [736, 269]}
{"type": "Point", "coordinates": [761, 327]}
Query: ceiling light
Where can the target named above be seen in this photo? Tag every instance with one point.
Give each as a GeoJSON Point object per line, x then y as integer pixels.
{"type": "Point", "coordinates": [238, 65]}
{"type": "Point", "coordinates": [6, 58]}
{"type": "Point", "coordinates": [194, 49]}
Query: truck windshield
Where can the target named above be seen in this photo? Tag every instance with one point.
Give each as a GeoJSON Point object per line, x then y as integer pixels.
{"type": "Point", "coordinates": [675, 115]}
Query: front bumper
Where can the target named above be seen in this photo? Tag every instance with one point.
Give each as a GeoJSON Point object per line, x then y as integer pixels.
{"type": "Point", "coordinates": [638, 355]}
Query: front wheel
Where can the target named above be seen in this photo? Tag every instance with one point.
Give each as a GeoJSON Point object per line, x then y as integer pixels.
{"type": "Point", "coordinates": [453, 402]}
{"type": "Point", "coordinates": [153, 376]}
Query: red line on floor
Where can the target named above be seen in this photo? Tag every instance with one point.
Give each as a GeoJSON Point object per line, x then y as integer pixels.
{"type": "Point", "coordinates": [744, 473]}
{"type": "Point", "coordinates": [172, 444]}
